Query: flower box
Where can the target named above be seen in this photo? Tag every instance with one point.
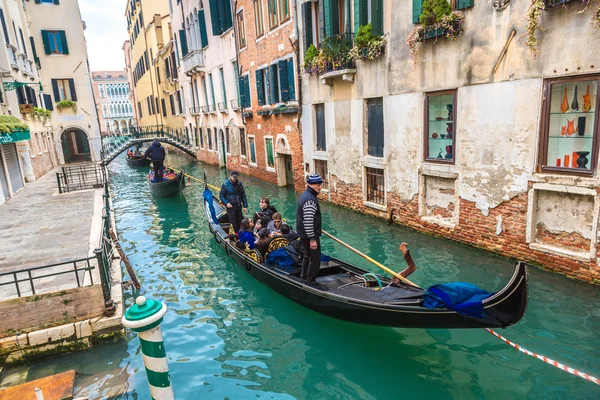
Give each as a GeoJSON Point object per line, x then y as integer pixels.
{"type": "Point", "coordinates": [555, 3]}
{"type": "Point", "coordinates": [436, 31]}
{"type": "Point", "coordinates": [265, 112]}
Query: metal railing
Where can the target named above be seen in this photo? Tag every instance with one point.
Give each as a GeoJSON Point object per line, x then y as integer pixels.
{"type": "Point", "coordinates": [81, 177]}
{"type": "Point", "coordinates": [222, 106]}
{"type": "Point", "coordinates": [336, 50]}
{"type": "Point", "coordinates": [204, 109]}
{"type": "Point", "coordinates": [211, 108]}
{"type": "Point", "coordinates": [235, 105]}
{"type": "Point", "coordinates": [195, 110]}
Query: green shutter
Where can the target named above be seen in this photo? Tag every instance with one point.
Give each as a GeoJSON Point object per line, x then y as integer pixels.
{"type": "Point", "coordinates": [321, 20]}
{"type": "Point", "coordinates": [214, 17]}
{"type": "Point", "coordinates": [283, 80]}
{"type": "Point", "coordinates": [361, 16]}
{"type": "Point", "coordinates": [73, 92]}
{"type": "Point", "coordinates": [227, 18]}
{"type": "Point", "coordinates": [63, 39]}
{"type": "Point", "coordinates": [221, 15]}
{"type": "Point", "coordinates": [247, 90]}
{"type": "Point", "coordinates": [243, 95]}
{"type": "Point", "coordinates": [307, 28]}
{"type": "Point", "coordinates": [291, 79]}
{"type": "Point", "coordinates": [334, 19]}
{"type": "Point", "coordinates": [56, 2]}
{"type": "Point", "coordinates": [55, 90]}
{"type": "Point", "coordinates": [417, 9]}
{"type": "Point", "coordinates": [203, 35]}
{"type": "Point", "coordinates": [270, 158]}
{"type": "Point", "coordinates": [327, 18]}
{"type": "Point", "coordinates": [272, 82]}
{"type": "Point", "coordinates": [377, 17]}
{"type": "Point", "coordinates": [183, 42]}
{"type": "Point", "coordinates": [38, 1]}
{"type": "Point", "coordinates": [462, 4]}
{"type": "Point", "coordinates": [260, 91]}
{"type": "Point", "coordinates": [44, 40]}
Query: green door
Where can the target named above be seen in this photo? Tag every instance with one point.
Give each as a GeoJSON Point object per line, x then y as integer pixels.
{"type": "Point", "coordinates": [223, 150]}
{"type": "Point", "coordinates": [65, 147]}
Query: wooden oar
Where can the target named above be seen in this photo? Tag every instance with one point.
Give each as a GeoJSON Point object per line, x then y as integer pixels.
{"type": "Point", "coordinates": [380, 265]}
{"type": "Point", "coordinates": [196, 179]}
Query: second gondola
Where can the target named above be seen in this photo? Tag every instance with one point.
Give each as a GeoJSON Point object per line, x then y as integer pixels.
{"type": "Point", "coordinates": [172, 185]}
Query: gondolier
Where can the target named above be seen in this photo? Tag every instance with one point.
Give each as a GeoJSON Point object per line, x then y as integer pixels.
{"type": "Point", "coordinates": [308, 221]}
{"type": "Point", "coordinates": [157, 154]}
{"type": "Point", "coordinates": [233, 196]}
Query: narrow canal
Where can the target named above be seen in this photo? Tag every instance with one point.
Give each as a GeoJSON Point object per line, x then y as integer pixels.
{"type": "Point", "coordinates": [229, 337]}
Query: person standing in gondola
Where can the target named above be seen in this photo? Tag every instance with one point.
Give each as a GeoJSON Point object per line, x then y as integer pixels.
{"type": "Point", "coordinates": [308, 224]}
{"type": "Point", "coordinates": [156, 153]}
{"type": "Point", "coordinates": [233, 196]}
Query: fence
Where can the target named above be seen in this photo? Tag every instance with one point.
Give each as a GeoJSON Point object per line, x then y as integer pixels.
{"type": "Point", "coordinates": [81, 177]}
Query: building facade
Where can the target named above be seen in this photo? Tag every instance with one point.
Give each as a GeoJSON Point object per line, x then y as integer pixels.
{"type": "Point", "coordinates": [129, 72]}
{"type": "Point", "coordinates": [271, 146]}
{"type": "Point", "coordinates": [203, 31]}
{"type": "Point", "coordinates": [476, 140]}
{"type": "Point", "coordinates": [113, 101]}
{"type": "Point", "coordinates": [60, 48]}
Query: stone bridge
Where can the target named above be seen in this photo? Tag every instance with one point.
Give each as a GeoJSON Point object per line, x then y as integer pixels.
{"type": "Point", "coordinates": [113, 145]}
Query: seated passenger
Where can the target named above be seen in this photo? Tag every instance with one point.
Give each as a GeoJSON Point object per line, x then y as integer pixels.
{"type": "Point", "coordinates": [262, 242]}
{"type": "Point", "coordinates": [288, 233]}
{"type": "Point", "coordinates": [240, 245]}
{"type": "Point", "coordinates": [138, 153]}
{"type": "Point", "coordinates": [274, 225]}
{"type": "Point", "coordinates": [245, 234]}
{"type": "Point", "coordinates": [265, 214]}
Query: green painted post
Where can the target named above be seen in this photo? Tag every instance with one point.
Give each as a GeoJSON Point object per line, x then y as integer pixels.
{"type": "Point", "coordinates": [144, 317]}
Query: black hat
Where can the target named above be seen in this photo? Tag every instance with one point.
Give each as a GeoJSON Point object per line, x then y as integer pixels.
{"type": "Point", "coordinates": [234, 173]}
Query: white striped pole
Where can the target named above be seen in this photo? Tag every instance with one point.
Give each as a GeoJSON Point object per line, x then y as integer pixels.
{"type": "Point", "coordinates": [144, 317]}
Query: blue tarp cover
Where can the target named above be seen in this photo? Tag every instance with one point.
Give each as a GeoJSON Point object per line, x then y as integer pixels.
{"type": "Point", "coordinates": [208, 196]}
{"type": "Point", "coordinates": [282, 259]}
{"type": "Point", "coordinates": [462, 297]}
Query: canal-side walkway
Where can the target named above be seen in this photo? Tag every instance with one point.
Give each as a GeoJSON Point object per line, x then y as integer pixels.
{"type": "Point", "coordinates": [40, 227]}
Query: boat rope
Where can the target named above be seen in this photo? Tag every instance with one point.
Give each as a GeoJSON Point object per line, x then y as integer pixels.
{"type": "Point", "coordinates": [516, 346]}
{"type": "Point", "coordinates": [374, 276]}
{"type": "Point", "coordinates": [546, 359]}
{"type": "Point", "coordinates": [194, 178]}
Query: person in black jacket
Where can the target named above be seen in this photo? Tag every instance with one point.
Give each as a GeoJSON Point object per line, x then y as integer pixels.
{"type": "Point", "coordinates": [233, 196]}
{"type": "Point", "coordinates": [308, 224]}
{"type": "Point", "coordinates": [156, 153]}
{"type": "Point", "coordinates": [265, 215]}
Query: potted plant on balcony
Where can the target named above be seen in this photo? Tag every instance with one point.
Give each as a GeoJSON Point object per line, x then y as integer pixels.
{"type": "Point", "coordinates": [66, 104]}
{"type": "Point", "coordinates": [437, 20]}
{"type": "Point", "coordinates": [41, 114]}
{"type": "Point", "coordinates": [366, 45]}
{"type": "Point", "coordinates": [534, 14]}
{"type": "Point", "coordinates": [314, 61]}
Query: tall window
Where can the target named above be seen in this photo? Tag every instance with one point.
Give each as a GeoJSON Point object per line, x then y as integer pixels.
{"type": "Point", "coordinates": [321, 169]}
{"type": "Point", "coordinates": [223, 88]}
{"type": "Point", "coordinates": [209, 136]}
{"type": "Point", "coordinates": [375, 127]}
{"type": "Point", "coordinates": [55, 42]}
{"type": "Point", "coordinates": [227, 144]}
{"type": "Point", "coordinates": [241, 30]}
{"type": "Point", "coordinates": [440, 112]}
{"type": "Point", "coordinates": [220, 15]}
{"type": "Point", "coordinates": [320, 125]}
{"type": "Point", "coordinates": [64, 89]}
{"type": "Point", "coordinates": [101, 90]}
{"type": "Point", "coordinates": [261, 81]}
{"type": "Point", "coordinates": [258, 18]}
{"type": "Point", "coordinates": [284, 10]}
{"type": "Point", "coordinates": [243, 142]}
{"type": "Point", "coordinates": [569, 129]}
{"type": "Point", "coordinates": [212, 89]}
{"type": "Point", "coordinates": [269, 151]}
{"type": "Point", "coordinates": [252, 145]}
{"type": "Point", "coordinates": [201, 133]}
{"type": "Point", "coordinates": [375, 185]}
{"type": "Point", "coordinates": [273, 84]}
{"type": "Point", "coordinates": [273, 17]}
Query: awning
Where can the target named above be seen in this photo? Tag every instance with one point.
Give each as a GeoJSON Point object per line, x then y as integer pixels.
{"type": "Point", "coordinates": [13, 137]}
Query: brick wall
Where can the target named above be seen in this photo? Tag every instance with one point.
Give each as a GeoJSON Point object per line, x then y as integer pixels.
{"type": "Point", "coordinates": [42, 150]}
{"type": "Point", "coordinates": [478, 230]}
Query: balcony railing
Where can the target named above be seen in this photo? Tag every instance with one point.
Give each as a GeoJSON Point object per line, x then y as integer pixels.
{"type": "Point", "coordinates": [222, 106]}
{"type": "Point", "coordinates": [12, 56]}
{"type": "Point", "coordinates": [204, 109]}
{"type": "Point", "coordinates": [195, 110]}
{"type": "Point", "coordinates": [336, 49]}
{"type": "Point", "coordinates": [193, 62]}
{"type": "Point", "coordinates": [235, 105]}
{"type": "Point", "coordinates": [211, 108]}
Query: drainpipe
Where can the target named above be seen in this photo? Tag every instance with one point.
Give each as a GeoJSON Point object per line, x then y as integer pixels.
{"type": "Point", "coordinates": [296, 47]}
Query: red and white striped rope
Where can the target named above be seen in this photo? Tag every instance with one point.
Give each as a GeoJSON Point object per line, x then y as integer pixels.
{"type": "Point", "coordinates": [547, 360]}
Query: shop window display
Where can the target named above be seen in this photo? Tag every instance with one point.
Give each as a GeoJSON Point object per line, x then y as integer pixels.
{"type": "Point", "coordinates": [440, 126]}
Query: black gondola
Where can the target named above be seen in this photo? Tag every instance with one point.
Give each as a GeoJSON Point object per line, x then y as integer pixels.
{"type": "Point", "coordinates": [139, 161]}
{"type": "Point", "coordinates": [169, 187]}
{"type": "Point", "coordinates": [350, 297]}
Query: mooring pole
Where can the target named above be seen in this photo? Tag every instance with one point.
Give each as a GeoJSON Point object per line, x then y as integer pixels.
{"type": "Point", "coordinates": [144, 317]}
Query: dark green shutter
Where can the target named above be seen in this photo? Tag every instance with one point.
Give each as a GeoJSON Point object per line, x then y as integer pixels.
{"type": "Point", "coordinates": [214, 17]}
{"type": "Point", "coordinates": [361, 15]}
{"type": "Point", "coordinates": [63, 39]}
{"type": "Point", "coordinates": [55, 90]}
{"type": "Point", "coordinates": [417, 8]}
{"type": "Point", "coordinates": [6, 38]}
{"type": "Point", "coordinates": [307, 18]}
{"type": "Point", "coordinates": [221, 16]}
{"type": "Point", "coordinates": [377, 17]}
{"type": "Point", "coordinates": [462, 4]}
{"type": "Point", "coordinates": [44, 40]}
{"type": "Point", "coordinates": [321, 20]}
{"type": "Point", "coordinates": [243, 98]}
{"type": "Point", "coordinates": [183, 42]}
{"type": "Point", "coordinates": [48, 102]}
{"type": "Point", "coordinates": [291, 79]}
{"type": "Point", "coordinates": [228, 20]}
{"type": "Point", "coordinates": [56, 2]}
{"type": "Point", "coordinates": [273, 98]}
{"type": "Point", "coordinates": [331, 17]}
{"type": "Point", "coordinates": [73, 92]}
{"type": "Point", "coordinates": [38, 1]}
{"type": "Point", "coordinates": [260, 91]}
{"type": "Point", "coordinates": [283, 80]}
{"type": "Point", "coordinates": [202, 22]}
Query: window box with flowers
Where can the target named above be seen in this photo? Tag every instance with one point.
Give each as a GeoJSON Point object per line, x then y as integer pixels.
{"type": "Point", "coordinates": [437, 19]}
{"type": "Point", "coordinates": [66, 104]}
{"type": "Point", "coordinates": [366, 45]}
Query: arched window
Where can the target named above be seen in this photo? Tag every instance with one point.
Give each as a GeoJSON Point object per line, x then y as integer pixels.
{"type": "Point", "coordinates": [119, 109]}
{"type": "Point", "coordinates": [101, 90]}
{"type": "Point", "coordinates": [107, 126]}
{"type": "Point", "coordinates": [112, 109]}
{"type": "Point", "coordinates": [104, 110]}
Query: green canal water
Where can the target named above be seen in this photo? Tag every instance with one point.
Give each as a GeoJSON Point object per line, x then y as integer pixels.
{"type": "Point", "coordinates": [229, 337]}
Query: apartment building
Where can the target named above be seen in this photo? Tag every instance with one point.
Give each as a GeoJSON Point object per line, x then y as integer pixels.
{"type": "Point", "coordinates": [113, 101]}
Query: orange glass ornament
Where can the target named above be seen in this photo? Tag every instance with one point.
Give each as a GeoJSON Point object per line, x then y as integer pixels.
{"type": "Point", "coordinates": [564, 107]}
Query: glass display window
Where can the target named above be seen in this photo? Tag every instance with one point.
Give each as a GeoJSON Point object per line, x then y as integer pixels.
{"type": "Point", "coordinates": [569, 125]}
{"type": "Point", "coordinates": [440, 126]}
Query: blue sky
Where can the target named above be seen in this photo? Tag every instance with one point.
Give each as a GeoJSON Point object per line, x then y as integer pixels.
{"type": "Point", "coordinates": [106, 31]}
